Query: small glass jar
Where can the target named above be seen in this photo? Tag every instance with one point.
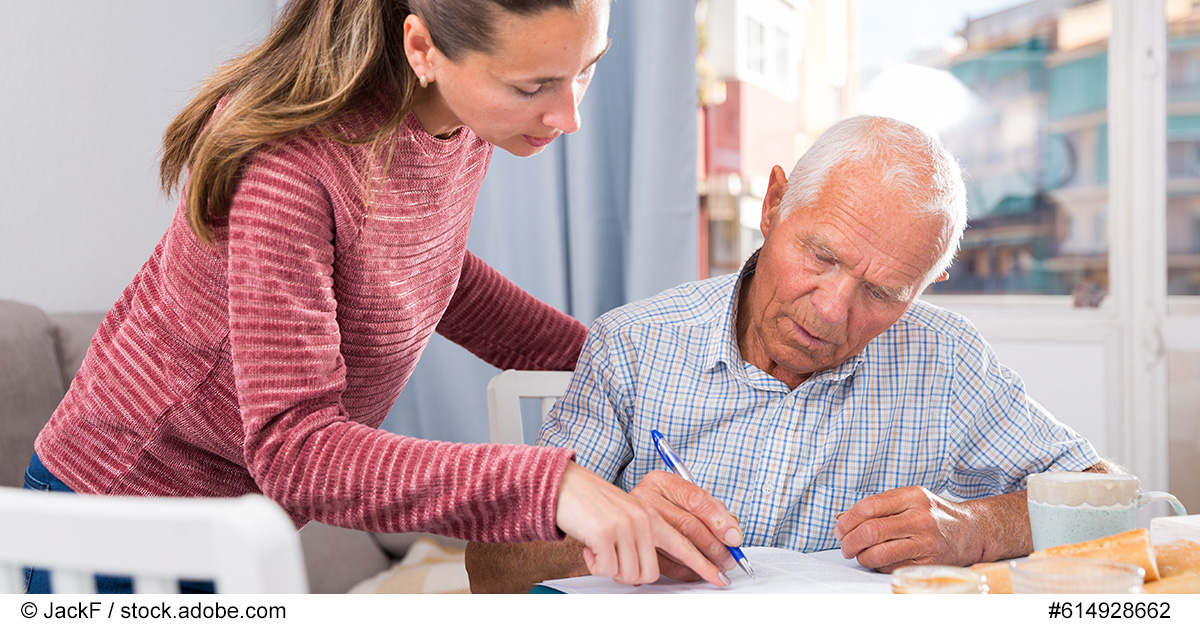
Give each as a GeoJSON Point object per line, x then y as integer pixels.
{"type": "Point", "coordinates": [938, 579]}
{"type": "Point", "coordinates": [1075, 575]}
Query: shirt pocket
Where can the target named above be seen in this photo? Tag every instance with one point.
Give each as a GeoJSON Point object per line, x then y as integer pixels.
{"type": "Point", "coordinates": [818, 516]}
{"type": "Point", "coordinates": [829, 501]}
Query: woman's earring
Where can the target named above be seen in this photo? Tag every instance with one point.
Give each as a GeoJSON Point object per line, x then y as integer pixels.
{"type": "Point", "coordinates": [424, 81]}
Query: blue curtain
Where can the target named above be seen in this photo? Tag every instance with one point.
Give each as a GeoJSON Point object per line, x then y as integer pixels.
{"type": "Point", "coordinates": [600, 218]}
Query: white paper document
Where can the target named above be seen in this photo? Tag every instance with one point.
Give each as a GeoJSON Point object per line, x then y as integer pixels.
{"type": "Point", "coordinates": [778, 571]}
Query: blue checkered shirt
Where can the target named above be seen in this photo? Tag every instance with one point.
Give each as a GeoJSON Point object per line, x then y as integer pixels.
{"type": "Point", "coordinates": [926, 403]}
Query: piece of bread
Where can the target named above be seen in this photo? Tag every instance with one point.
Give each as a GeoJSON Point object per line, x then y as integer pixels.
{"type": "Point", "coordinates": [999, 580]}
{"type": "Point", "coordinates": [1180, 557]}
{"type": "Point", "coordinates": [1187, 583]}
{"type": "Point", "coordinates": [1165, 529]}
{"type": "Point", "coordinates": [1132, 547]}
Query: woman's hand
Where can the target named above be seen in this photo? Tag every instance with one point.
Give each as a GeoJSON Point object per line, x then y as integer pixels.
{"type": "Point", "coordinates": [620, 534]}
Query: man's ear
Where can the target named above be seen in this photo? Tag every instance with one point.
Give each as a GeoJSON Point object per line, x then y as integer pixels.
{"type": "Point", "coordinates": [776, 186]}
{"type": "Point", "coordinates": [418, 47]}
{"type": "Point", "coordinates": [942, 278]}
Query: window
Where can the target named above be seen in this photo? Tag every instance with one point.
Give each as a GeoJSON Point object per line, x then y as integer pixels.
{"type": "Point", "coordinates": [755, 48]}
{"type": "Point", "coordinates": [783, 60]}
{"type": "Point", "coordinates": [1183, 150]}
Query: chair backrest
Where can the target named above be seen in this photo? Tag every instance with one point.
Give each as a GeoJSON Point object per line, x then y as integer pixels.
{"type": "Point", "coordinates": [504, 395]}
{"type": "Point", "coordinates": [244, 545]}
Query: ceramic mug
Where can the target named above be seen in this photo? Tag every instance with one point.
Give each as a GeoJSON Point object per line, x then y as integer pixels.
{"type": "Point", "coordinates": [1071, 507]}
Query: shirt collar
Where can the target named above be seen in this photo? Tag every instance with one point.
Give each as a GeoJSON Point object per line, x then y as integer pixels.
{"type": "Point", "coordinates": [725, 341]}
{"type": "Point", "coordinates": [725, 347]}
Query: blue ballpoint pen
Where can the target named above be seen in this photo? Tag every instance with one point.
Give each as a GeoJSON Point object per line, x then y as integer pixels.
{"type": "Point", "coordinates": [677, 467]}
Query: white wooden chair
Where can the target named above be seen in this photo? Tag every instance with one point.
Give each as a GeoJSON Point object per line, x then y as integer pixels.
{"type": "Point", "coordinates": [244, 545]}
{"type": "Point", "coordinates": [504, 395]}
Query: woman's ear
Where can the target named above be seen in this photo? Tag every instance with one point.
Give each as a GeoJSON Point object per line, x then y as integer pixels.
{"type": "Point", "coordinates": [418, 47]}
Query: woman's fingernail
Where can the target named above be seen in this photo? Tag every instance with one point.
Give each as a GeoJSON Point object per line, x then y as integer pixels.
{"type": "Point", "coordinates": [725, 579]}
{"type": "Point", "coordinates": [733, 538]}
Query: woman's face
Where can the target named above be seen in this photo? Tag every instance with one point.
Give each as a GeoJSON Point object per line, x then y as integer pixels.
{"type": "Point", "coordinates": [527, 91]}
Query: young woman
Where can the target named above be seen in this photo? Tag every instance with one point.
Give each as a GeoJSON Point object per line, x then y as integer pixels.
{"type": "Point", "coordinates": [320, 241]}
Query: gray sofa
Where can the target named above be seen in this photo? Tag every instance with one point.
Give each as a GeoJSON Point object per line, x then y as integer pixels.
{"type": "Point", "coordinates": [39, 355]}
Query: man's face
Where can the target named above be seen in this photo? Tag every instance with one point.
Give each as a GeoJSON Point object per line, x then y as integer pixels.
{"type": "Point", "coordinates": [832, 277]}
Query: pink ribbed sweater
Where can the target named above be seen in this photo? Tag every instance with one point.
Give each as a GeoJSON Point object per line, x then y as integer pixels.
{"type": "Point", "coordinates": [267, 363]}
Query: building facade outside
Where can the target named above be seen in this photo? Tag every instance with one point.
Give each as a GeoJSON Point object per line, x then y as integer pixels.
{"type": "Point", "coordinates": [774, 75]}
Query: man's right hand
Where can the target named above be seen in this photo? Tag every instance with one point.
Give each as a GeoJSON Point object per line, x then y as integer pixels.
{"type": "Point", "coordinates": [622, 535]}
{"type": "Point", "coordinates": [677, 517]}
{"type": "Point", "coordinates": [693, 512]}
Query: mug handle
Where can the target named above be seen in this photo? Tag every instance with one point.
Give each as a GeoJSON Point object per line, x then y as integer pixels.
{"type": "Point", "coordinates": [1145, 498]}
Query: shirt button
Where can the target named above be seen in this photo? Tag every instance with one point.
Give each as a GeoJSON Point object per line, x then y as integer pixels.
{"type": "Point", "coordinates": [768, 488]}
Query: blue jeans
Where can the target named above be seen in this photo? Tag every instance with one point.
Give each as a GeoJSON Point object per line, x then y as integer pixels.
{"type": "Point", "coordinates": [37, 581]}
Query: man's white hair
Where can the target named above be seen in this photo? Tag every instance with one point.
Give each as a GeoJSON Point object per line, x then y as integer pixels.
{"type": "Point", "coordinates": [919, 173]}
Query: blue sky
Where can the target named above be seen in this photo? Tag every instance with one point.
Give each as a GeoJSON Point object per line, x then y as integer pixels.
{"type": "Point", "coordinates": [889, 30]}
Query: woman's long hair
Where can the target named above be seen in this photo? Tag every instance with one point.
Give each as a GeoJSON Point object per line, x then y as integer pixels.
{"type": "Point", "coordinates": [321, 57]}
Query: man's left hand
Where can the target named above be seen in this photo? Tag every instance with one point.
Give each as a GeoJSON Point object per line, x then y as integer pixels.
{"type": "Point", "coordinates": [912, 525]}
{"type": "Point", "coordinates": [908, 526]}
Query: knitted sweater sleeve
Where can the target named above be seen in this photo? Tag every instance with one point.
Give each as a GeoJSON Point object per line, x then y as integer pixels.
{"type": "Point", "coordinates": [299, 445]}
{"type": "Point", "coordinates": [502, 324]}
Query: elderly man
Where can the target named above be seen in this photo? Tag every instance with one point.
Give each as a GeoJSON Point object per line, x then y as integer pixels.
{"type": "Point", "coordinates": [812, 393]}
